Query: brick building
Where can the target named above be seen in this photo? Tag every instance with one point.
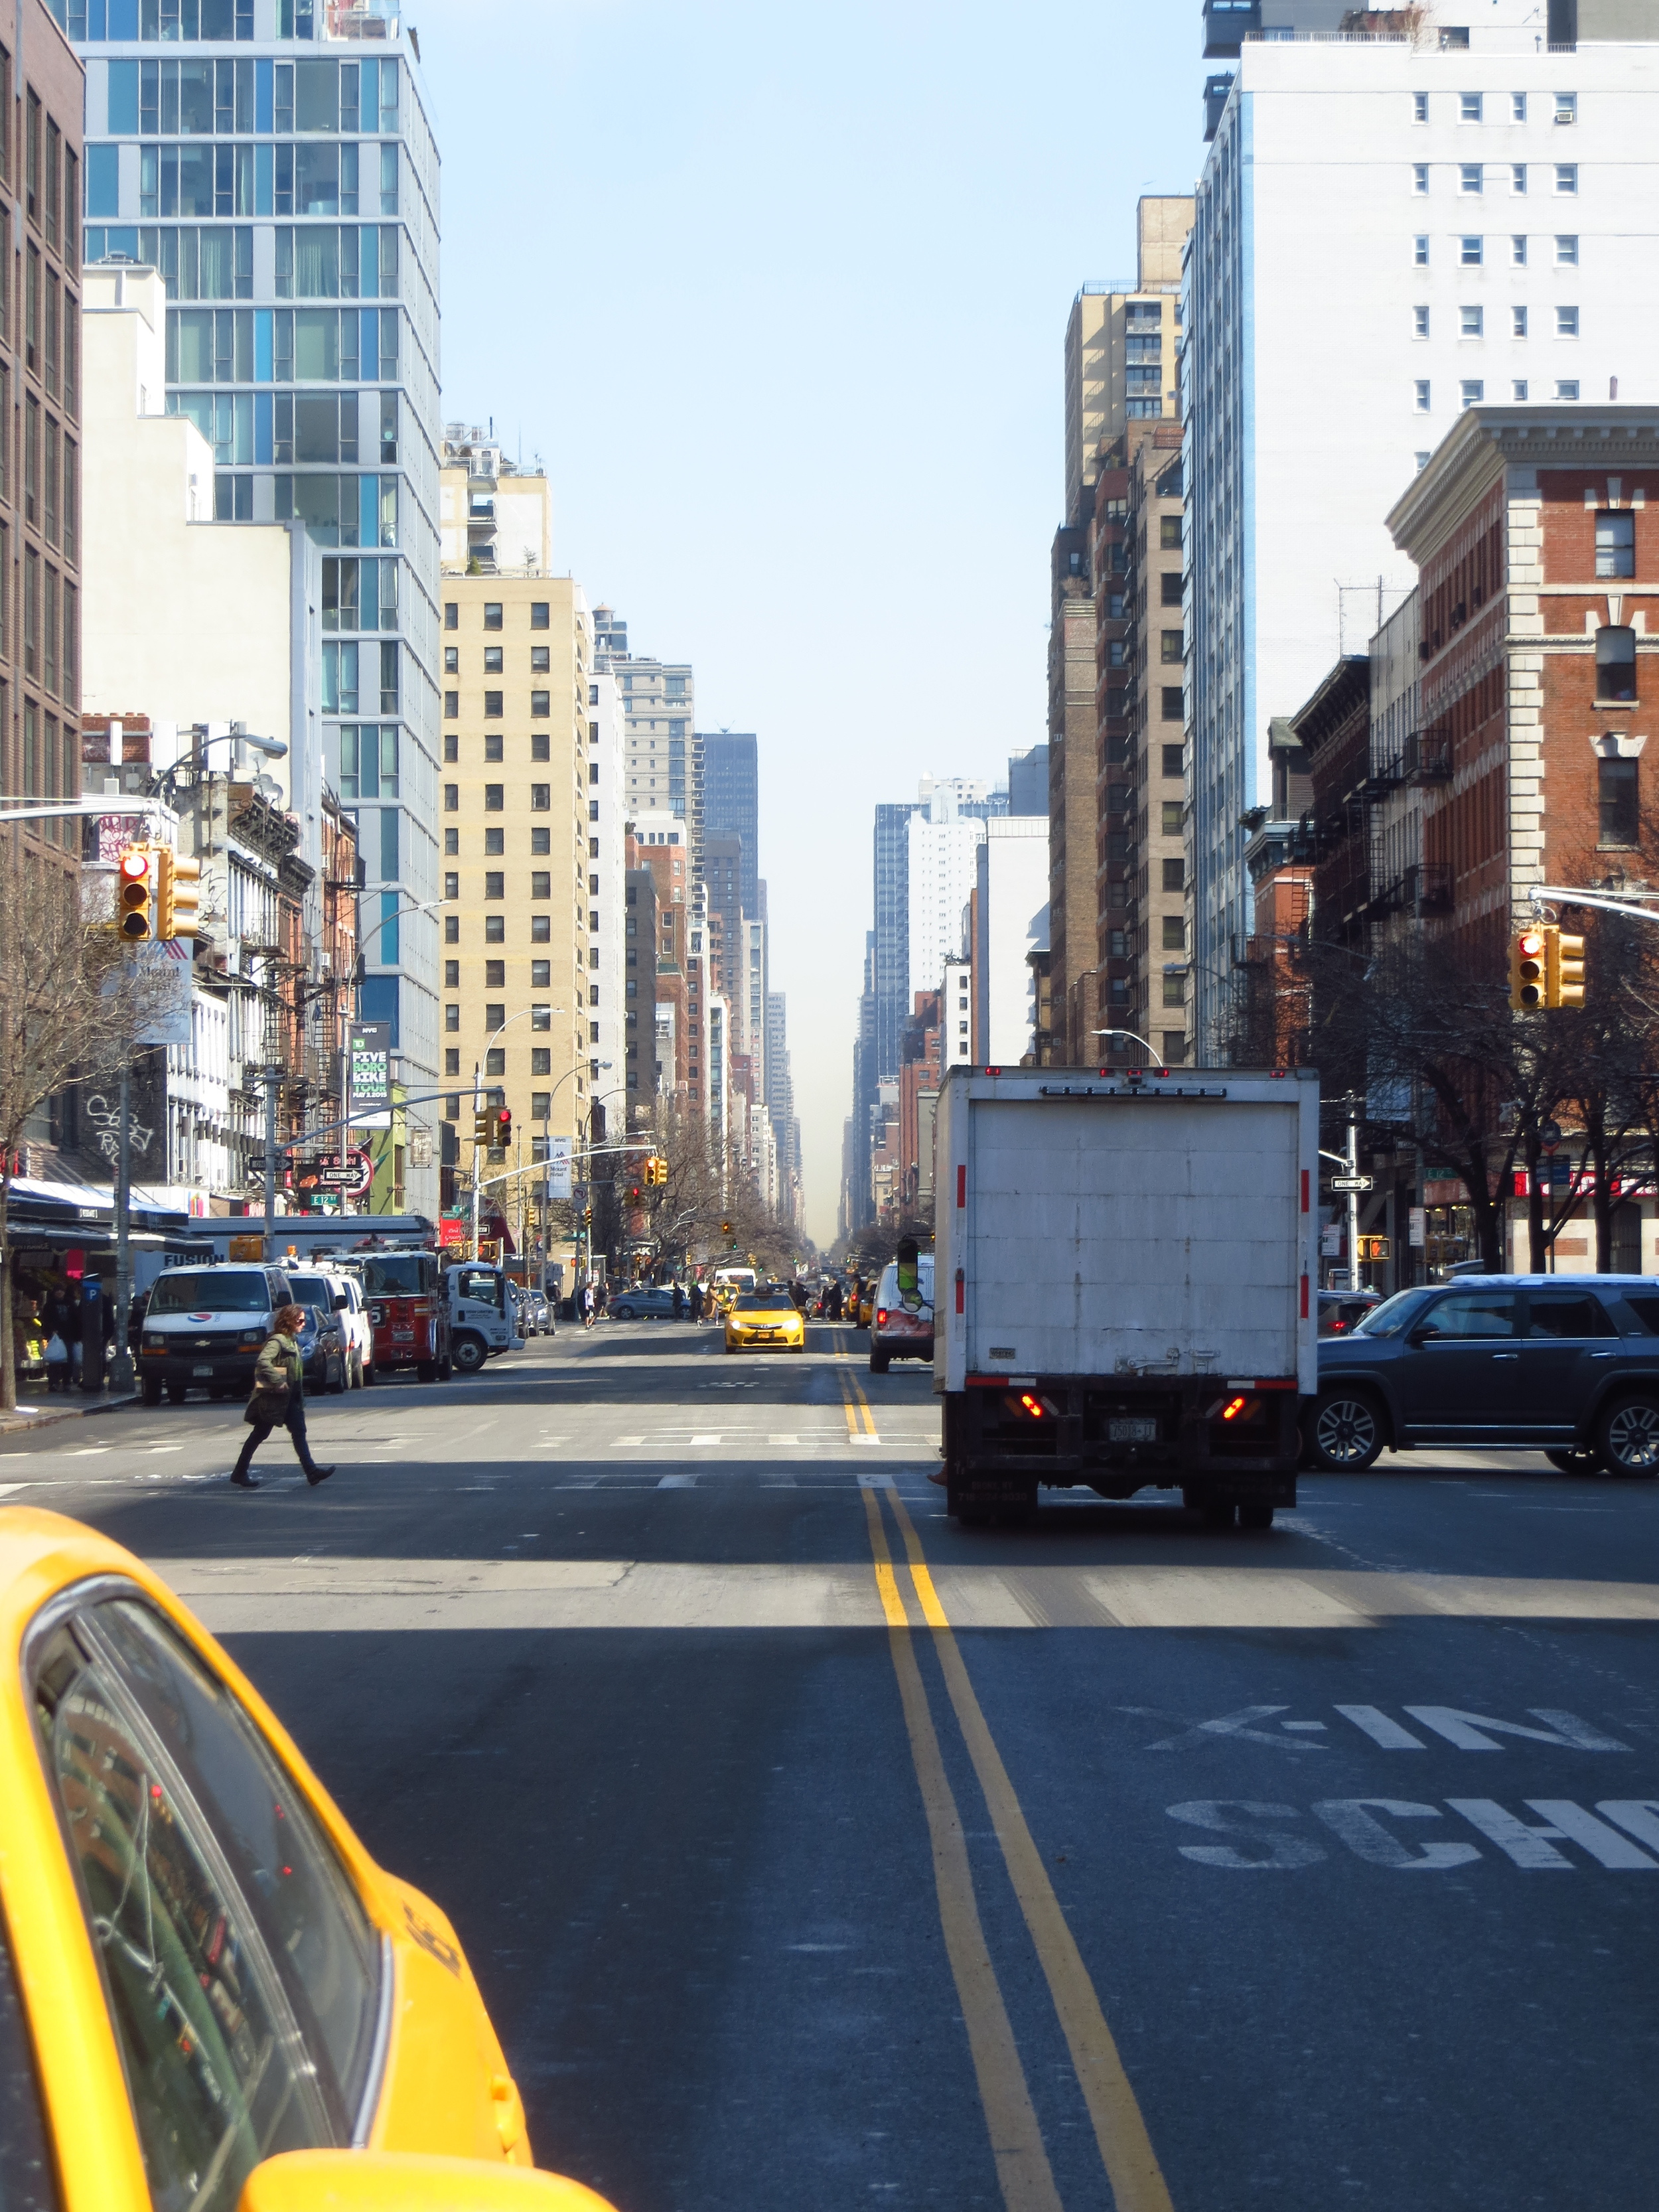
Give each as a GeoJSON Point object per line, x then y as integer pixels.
{"type": "Point", "coordinates": [1537, 550]}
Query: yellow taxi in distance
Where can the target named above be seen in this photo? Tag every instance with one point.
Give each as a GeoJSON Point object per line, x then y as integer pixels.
{"type": "Point", "coordinates": [764, 1321]}
{"type": "Point", "coordinates": [211, 1999]}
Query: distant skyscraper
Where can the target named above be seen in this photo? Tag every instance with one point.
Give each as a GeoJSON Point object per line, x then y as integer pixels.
{"type": "Point", "coordinates": [1028, 782]}
{"type": "Point", "coordinates": [663, 768]}
{"type": "Point", "coordinates": [731, 803]}
{"type": "Point", "coordinates": [273, 160]}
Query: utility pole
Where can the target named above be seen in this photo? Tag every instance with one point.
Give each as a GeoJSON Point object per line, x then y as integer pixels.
{"type": "Point", "coordinates": [272, 1075]}
{"type": "Point", "coordinates": [121, 1369]}
{"type": "Point", "coordinates": [477, 1164]}
{"type": "Point", "coordinates": [1353, 1197]}
{"type": "Point", "coordinates": [547, 1185]}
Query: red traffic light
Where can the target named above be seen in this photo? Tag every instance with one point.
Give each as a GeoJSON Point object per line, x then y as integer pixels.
{"type": "Point", "coordinates": [504, 1125]}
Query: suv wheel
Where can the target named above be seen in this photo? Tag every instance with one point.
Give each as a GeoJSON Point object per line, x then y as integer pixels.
{"type": "Point", "coordinates": [1627, 1436]}
{"type": "Point", "coordinates": [1346, 1432]}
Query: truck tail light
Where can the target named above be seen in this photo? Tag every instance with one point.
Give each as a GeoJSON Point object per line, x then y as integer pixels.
{"type": "Point", "coordinates": [1032, 1405]}
{"type": "Point", "coordinates": [962, 1185]}
{"type": "Point", "coordinates": [1304, 1297]}
{"type": "Point", "coordinates": [1233, 1408]}
{"type": "Point", "coordinates": [961, 1288]}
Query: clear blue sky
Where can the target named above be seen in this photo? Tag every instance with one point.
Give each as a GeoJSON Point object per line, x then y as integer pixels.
{"type": "Point", "coordinates": [778, 296]}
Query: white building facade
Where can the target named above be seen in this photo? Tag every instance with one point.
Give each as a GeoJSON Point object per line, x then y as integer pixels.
{"type": "Point", "coordinates": [956, 1005]}
{"type": "Point", "coordinates": [1390, 228]}
{"type": "Point", "coordinates": [1010, 923]}
{"type": "Point", "coordinates": [607, 876]}
{"type": "Point", "coordinates": [942, 844]}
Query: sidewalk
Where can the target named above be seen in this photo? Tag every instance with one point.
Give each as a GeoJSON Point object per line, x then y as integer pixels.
{"type": "Point", "coordinates": [32, 1417]}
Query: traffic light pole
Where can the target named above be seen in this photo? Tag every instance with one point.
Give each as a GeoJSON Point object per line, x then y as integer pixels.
{"type": "Point", "coordinates": [272, 1076]}
{"type": "Point", "coordinates": [477, 1162]}
{"type": "Point", "coordinates": [1354, 1202]}
{"type": "Point", "coordinates": [121, 1376]}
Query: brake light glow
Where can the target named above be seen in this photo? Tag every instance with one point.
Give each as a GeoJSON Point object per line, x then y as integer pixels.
{"type": "Point", "coordinates": [881, 1316]}
{"type": "Point", "coordinates": [1233, 1408]}
{"type": "Point", "coordinates": [1032, 1405]}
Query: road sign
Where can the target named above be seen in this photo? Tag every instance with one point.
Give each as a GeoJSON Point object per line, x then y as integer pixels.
{"type": "Point", "coordinates": [1549, 1136]}
{"type": "Point", "coordinates": [1351, 1182]}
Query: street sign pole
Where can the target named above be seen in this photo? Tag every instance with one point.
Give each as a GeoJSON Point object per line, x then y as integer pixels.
{"type": "Point", "coordinates": [1354, 1198]}
{"type": "Point", "coordinates": [121, 1376]}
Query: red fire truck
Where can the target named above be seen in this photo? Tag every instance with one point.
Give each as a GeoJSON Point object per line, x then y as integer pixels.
{"type": "Point", "coordinates": [409, 1312]}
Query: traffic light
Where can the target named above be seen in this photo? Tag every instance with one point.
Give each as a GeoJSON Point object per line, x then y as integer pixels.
{"type": "Point", "coordinates": [1374, 1248]}
{"type": "Point", "coordinates": [661, 1166]}
{"type": "Point", "coordinates": [1527, 978]}
{"type": "Point", "coordinates": [1564, 969]}
{"type": "Point", "coordinates": [178, 893]}
{"type": "Point", "coordinates": [135, 899]}
{"type": "Point", "coordinates": [482, 1120]}
{"type": "Point", "coordinates": [503, 1134]}
{"type": "Point", "coordinates": [725, 1229]}
{"type": "Point", "coordinates": [650, 1176]}
{"type": "Point", "coordinates": [634, 1194]}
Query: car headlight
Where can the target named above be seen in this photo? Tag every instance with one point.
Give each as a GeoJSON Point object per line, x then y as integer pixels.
{"type": "Point", "coordinates": [155, 1344]}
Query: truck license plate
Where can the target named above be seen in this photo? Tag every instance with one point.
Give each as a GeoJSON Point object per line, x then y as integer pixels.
{"type": "Point", "coordinates": [201, 1371]}
{"type": "Point", "coordinates": [1132, 1432]}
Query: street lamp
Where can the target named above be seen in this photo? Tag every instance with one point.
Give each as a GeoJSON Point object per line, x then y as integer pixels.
{"type": "Point", "coordinates": [547, 1155]}
{"type": "Point", "coordinates": [1134, 1039]}
{"type": "Point", "coordinates": [477, 1076]}
{"type": "Point", "coordinates": [424, 905]}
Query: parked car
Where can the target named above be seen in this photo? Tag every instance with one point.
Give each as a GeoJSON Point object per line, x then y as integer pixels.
{"type": "Point", "coordinates": [1341, 1311]}
{"type": "Point", "coordinates": [354, 1326]}
{"type": "Point", "coordinates": [204, 1327]}
{"type": "Point", "coordinates": [1567, 1365]}
{"type": "Point", "coordinates": [173, 2015]}
{"type": "Point", "coordinates": [766, 1319]}
{"type": "Point", "coordinates": [322, 1337]}
{"type": "Point", "coordinates": [538, 1314]}
{"type": "Point", "coordinates": [901, 1322]}
{"type": "Point", "coordinates": [642, 1302]}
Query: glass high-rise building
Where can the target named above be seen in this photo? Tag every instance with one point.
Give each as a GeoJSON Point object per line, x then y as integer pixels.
{"type": "Point", "coordinates": [274, 160]}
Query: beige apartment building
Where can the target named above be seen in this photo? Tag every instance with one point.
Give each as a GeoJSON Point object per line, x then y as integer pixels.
{"type": "Point", "coordinates": [1121, 343]}
{"type": "Point", "coordinates": [523, 915]}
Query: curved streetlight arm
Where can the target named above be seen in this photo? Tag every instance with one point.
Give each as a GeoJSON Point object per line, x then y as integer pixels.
{"type": "Point", "coordinates": [1134, 1039]}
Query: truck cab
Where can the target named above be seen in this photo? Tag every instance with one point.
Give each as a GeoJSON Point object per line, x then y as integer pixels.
{"type": "Point", "coordinates": [483, 1315]}
{"type": "Point", "coordinates": [409, 1313]}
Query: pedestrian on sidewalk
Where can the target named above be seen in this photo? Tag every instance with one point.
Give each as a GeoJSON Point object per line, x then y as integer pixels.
{"type": "Point", "coordinates": [587, 1305]}
{"type": "Point", "coordinates": [679, 1303]}
{"type": "Point", "coordinates": [57, 1366]}
{"type": "Point", "coordinates": [278, 1401]}
{"type": "Point", "coordinates": [697, 1302]}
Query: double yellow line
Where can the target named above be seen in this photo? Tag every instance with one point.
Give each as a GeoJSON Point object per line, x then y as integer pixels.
{"type": "Point", "coordinates": [1022, 2159]}
{"type": "Point", "coordinates": [860, 1420]}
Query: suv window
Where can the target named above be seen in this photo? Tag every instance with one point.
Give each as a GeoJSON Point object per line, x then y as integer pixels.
{"type": "Point", "coordinates": [1473, 1313]}
{"type": "Point", "coordinates": [26, 2170]}
{"type": "Point", "coordinates": [1568, 1313]}
{"type": "Point", "coordinates": [216, 2070]}
{"type": "Point", "coordinates": [1646, 1311]}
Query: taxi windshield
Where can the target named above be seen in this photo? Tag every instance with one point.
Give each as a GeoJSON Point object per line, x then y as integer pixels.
{"type": "Point", "coordinates": [765, 1302]}
{"type": "Point", "coordinates": [228, 1290]}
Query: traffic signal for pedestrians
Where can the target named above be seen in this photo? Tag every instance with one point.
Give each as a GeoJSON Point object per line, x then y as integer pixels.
{"type": "Point", "coordinates": [1528, 977]}
{"type": "Point", "coordinates": [1373, 1247]}
{"type": "Point", "coordinates": [135, 897]}
{"type": "Point", "coordinates": [1564, 969]}
{"type": "Point", "coordinates": [178, 899]}
{"type": "Point", "coordinates": [482, 1120]}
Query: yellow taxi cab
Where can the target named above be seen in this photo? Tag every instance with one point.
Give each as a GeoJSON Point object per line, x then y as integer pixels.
{"type": "Point", "coordinates": [766, 1319]}
{"type": "Point", "coordinates": [867, 1304]}
{"type": "Point", "coordinates": [211, 1999]}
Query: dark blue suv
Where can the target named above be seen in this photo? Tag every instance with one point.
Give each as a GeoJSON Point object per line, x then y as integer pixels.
{"type": "Point", "coordinates": [1567, 1365]}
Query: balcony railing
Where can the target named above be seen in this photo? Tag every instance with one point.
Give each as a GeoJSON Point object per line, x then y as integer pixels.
{"type": "Point", "coordinates": [1428, 757]}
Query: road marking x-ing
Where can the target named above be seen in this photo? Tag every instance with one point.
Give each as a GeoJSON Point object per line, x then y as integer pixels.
{"type": "Point", "coordinates": [1125, 2149]}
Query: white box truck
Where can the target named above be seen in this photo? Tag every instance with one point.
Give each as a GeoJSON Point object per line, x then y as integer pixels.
{"type": "Point", "coordinates": [1126, 1269]}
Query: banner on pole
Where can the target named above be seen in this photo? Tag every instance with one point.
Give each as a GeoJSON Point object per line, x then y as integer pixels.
{"type": "Point", "coordinates": [371, 1075]}
{"type": "Point", "coordinates": [558, 1167]}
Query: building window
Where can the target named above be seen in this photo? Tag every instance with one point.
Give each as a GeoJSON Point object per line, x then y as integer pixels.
{"type": "Point", "coordinates": [492, 614]}
{"type": "Point", "coordinates": [1419, 177]}
{"type": "Point", "coordinates": [541, 661]}
{"type": "Point", "coordinates": [495, 884]}
{"type": "Point", "coordinates": [1419, 322]}
{"type": "Point", "coordinates": [1566, 177]}
{"type": "Point", "coordinates": [452, 705]}
{"type": "Point", "coordinates": [495, 799]}
{"type": "Point", "coordinates": [1567, 252]}
{"type": "Point", "coordinates": [1419, 107]}
{"type": "Point", "coordinates": [538, 614]}
{"type": "Point", "coordinates": [452, 929]}
{"type": "Point", "coordinates": [1567, 108]}
{"type": "Point", "coordinates": [1420, 252]}
{"type": "Point", "coordinates": [1566, 387]}
{"type": "Point", "coordinates": [1174, 760]}
{"type": "Point", "coordinates": [451, 1060]}
{"type": "Point", "coordinates": [1468, 107]}
{"type": "Point", "coordinates": [1170, 647]}
{"type": "Point", "coordinates": [1618, 802]}
{"type": "Point", "coordinates": [494, 841]}
{"type": "Point", "coordinates": [451, 885]}
{"type": "Point", "coordinates": [1169, 709]}
{"type": "Point", "coordinates": [1471, 322]}
{"type": "Point", "coordinates": [1518, 390]}
{"type": "Point", "coordinates": [1518, 251]}
{"type": "Point", "coordinates": [1517, 107]}
{"type": "Point", "coordinates": [494, 929]}
{"type": "Point", "coordinates": [1518, 178]}
{"type": "Point", "coordinates": [1422, 460]}
{"type": "Point", "coordinates": [451, 797]}
{"type": "Point", "coordinates": [493, 710]}
{"type": "Point", "coordinates": [1472, 252]}
{"type": "Point", "coordinates": [452, 746]}
{"type": "Point", "coordinates": [541, 1017]}
{"type": "Point", "coordinates": [493, 748]}
{"type": "Point", "coordinates": [1566, 322]}
{"type": "Point", "coordinates": [540, 703]}
{"type": "Point", "coordinates": [541, 1060]}
{"type": "Point", "coordinates": [541, 884]}
{"type": "Point", "coordinates": [452, 615]}
{"type": "Point", "coordinates": [1175, 990]}
{"type": "Point", "coordinates": [495, 1060]}
{"type": "Point", "coordinates": [1421, 388]}
{"type": "Point", "coordinates": [452, 982]}
{"type": "Point", "coordinates": [541, 747]}
{"type": "Point", "coordinates": [1615, 548]}
{"type": "Point", "coordinates": [1174, 875]}
{"type": "Point", "coordinates": [1175, 933]}
{"type": "Point", "coordinates": [1169, 588]}
{"type": "Point", "coordinates": [492, 659]}
{"type": "Point", "coordinates": [453, 1012]}
{"type": "Point", "coordinates": [1518, 322]}
{"type": "Point", "coordinates": [541, 929]}
{"type": "Point", "coordinates": [541, 798]}
{"type": "Point", "coordinates": [494, 980]}
{"type": "Point", "coordinates": [1172, 817]}
{"type": "Point", "coordinates": [1615, 664]}
{"type": "Point", "coordinates": [1471, 392]}
{"type": "Point", "coordinates": [1471, 177]}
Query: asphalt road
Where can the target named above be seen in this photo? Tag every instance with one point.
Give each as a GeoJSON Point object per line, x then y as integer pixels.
{"type": "Point", "coordinates": [813, 1854]}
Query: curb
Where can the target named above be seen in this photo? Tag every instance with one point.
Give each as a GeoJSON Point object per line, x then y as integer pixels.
{"type": "Point", "coordinates": [26, 1424]}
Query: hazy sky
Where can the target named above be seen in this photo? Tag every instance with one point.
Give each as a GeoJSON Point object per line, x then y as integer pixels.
{"type": "Point", "coordinates": [778, 296]}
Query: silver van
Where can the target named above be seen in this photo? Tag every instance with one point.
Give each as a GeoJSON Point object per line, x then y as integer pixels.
{"type": "Point", "coordinates": [204, 1327]}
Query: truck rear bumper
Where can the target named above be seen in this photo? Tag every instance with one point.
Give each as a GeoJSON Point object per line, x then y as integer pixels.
{"type": "Point", "coordinates": [1118, 1434]}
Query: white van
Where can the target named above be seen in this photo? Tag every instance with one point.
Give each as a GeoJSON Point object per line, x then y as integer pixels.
{"type": "Point", "coordinates": [484, 1317]}
{"type": "Point", "coordinates": [204, 1327]}
{"type": "Point", "coordinates": [902, 1319]}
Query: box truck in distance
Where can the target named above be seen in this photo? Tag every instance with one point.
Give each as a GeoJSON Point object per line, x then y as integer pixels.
{"type": "Point", "coordinates": [1126, 1267]}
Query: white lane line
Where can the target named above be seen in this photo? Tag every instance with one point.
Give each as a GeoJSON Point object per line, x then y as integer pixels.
{"type": "Point", "coordinates": [706, 1440]}
{"type": "Point", "coordinates": [626, 1443]}
{"type": "Point", "coordinates": [7, 1488]}
{"type": "Point", "coordinates": [154, 1450]}
{"type": "Point", "coordinates": [876, 1482]}
{"type": "Point", "coordinates": [678, 1482]}
{"type": "Point", "coordinates": [88, 1451]}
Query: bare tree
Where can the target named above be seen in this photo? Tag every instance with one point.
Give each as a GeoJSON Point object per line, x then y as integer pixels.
{"type": "Point", "coordinates": [71, 1006]}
